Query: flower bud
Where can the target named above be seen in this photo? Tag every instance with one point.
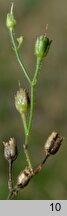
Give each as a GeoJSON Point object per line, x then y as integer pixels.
{"type": "Point", "coordinates": [10, 20]}
{"type": "Point", "coordinates": [10, 149]}
{"type": "Point", "coordinates": [24, 178]}
{"type": "Point", "coordinates": [42, 46]}
{"type": "Point", "coordinates": [22, 101]}
{"type": "Point", "coordinates": [53, 143]}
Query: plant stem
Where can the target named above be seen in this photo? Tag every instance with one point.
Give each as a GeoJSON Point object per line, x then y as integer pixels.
{"type": "Point", "coordinates": [26, 142]}
{"type": "Point", "coordinates": [14, 193]}
{"type": "Point", "coordinates": [10, 184]}
{"type": "Point", "coordinates": [36, 74]}
{"type": "Point", "coordinates": [18, 57]}
{"type": "Point", "coordinates": [27, 153]}
{"type": "Point", "coordinates": [23, 115]}
{"type": "Point", "coordinates": [36, 171]}
{"type": "Point", "coordinates": [39, 168]}
{"type": "Point", "coordinates": [33, 85]}
{"type": "Point", "coordinates": [28, 158]}
{"type": "Point", "coordinates": [32, 109]}
{"type": "Point", "coordinates": [24, 123]}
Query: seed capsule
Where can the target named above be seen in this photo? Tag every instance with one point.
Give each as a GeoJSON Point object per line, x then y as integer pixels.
{"type": "Point", "coordinates": [22, 101]}
{"type": "Point", "coordinates": [10, 149]}
{"type": "Point", "coordinates": [42, 46]}
{"type": "Point", "coordinates": [24, 177]}
{"type": "Point", "coordinates": [53, 143]}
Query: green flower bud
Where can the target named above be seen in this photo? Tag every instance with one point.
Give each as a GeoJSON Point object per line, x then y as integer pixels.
{"type": "Point", "coordinates": [10, 149]}
{"type": "Point", "coordinates": [10, 20]}
{"type": "Point", "coordinates": [22, 101]}
{"type": "Point", "coordinates": [53, 143]}
{"type": "Point", "coordinates": [42, 46]}
{"type": "Point", "coordinates": [24, 178]}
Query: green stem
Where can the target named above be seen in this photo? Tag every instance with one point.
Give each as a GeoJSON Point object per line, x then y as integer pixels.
{"type": "Point", "coordinates": [33, 85]}
{"type": "Point", "coordinates": [31, 110]}
{"type": "Point", "coordinates": [18, 57]}
{"type": "Point", "coordinates": [24, 123]}
{"type": "Point", "coordinates": [26, 142]}
{"type": "Point", "coordinates": [36, 75]}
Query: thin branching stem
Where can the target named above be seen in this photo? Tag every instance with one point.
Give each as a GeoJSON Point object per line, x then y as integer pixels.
{"type": "Point", "coordinates": [27, 127]}
{"type": "Point", "coordinates": [26, 142]}
{"type": "Point", "coordinates": [18, 57]}
{"type": "Point", "coordinates": [33, 86]}
{"type": "Point", "coordinates": [36, 171]}
{"type": "Point", "coordinates": [23, 115]}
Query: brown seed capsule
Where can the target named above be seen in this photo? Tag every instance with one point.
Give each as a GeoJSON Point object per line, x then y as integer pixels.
{"type": "Point", "coordinates": [24, 177]}
{"type": "Point", "coordinates": [53, 143]}
{"type": "Point", "coordinates": [10, 149]}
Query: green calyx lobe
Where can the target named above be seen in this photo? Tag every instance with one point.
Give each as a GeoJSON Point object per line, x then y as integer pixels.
{"type": "Point", "coordinates": [42, 46]}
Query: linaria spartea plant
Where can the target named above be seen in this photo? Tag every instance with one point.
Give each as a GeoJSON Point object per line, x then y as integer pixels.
{"type": "Point", "coordinates": [23, 103]}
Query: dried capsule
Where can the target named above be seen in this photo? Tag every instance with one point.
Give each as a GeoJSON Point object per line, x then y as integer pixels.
{"type": "Point", "coordinates": [24, 178]}
{"type": "Point", "coordinates": [53, 143]}
{"type": "Point", "coordinates": [42, 46]}
{"type": "Point", "coordinates": [10, 149]}
{"type": "Point", "coordinates": [22, 101]}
